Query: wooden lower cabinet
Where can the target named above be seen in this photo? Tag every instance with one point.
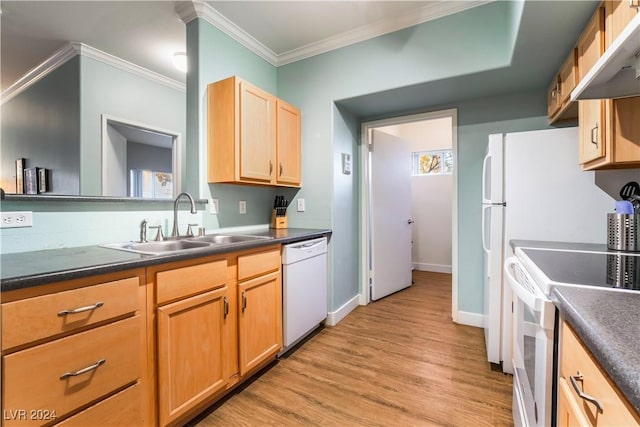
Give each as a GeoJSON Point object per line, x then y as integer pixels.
{"type": "Point", "coordinates": [260, 320]}
{"type": "Point", "coordinates": [122, 409]}
{"type": "Point", "coordinates": [69, 349]}
{"type": "Point", "coordinates": [576, 361]}
{"type": "Point", "coordinates": [190, 348]}
{"type": "Point", "coordinates": [211, 331]}
{"type": "Point", "coordinates": [152, 346]}
{"type": "Point", "coordinates": [569, 412]}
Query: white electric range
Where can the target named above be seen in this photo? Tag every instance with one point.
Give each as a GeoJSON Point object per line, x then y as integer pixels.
{"type": "Point", "coordinates": [532, 273]}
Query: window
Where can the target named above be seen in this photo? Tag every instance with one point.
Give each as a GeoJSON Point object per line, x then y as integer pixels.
{"type": "Point", "coordinates": [438, 162]}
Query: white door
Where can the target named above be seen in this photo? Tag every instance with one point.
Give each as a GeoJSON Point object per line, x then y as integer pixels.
{"type": "Point", "coordinates": [390, 214]}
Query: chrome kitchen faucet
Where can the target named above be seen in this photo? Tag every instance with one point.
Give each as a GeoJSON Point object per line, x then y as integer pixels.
{"type": "Point", "coordinates": [174, 231]}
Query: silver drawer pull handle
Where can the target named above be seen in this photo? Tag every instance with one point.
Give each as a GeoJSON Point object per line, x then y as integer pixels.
{"type": "Point", "coordinates": [574, 382]}
{"type": "Point", "coordinates": [84, 370]}
{"type": "Point", "coordinates": [81, 309]}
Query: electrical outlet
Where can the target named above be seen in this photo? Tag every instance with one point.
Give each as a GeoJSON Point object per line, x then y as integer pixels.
{"type": "Point", "coordinates": [213, 206]}
{"type": "Point", "coordinates": [300, 205]}
{"type": "Point", "coordinates": [242, 207]}
{"type": "Point", "coordinates": [16, 219]}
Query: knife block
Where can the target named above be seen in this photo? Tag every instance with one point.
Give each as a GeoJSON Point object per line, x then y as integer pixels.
{"type": "Point", "coordinates": [278, 221]}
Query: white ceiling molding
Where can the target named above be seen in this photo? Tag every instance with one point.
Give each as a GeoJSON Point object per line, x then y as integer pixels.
{"type": "Point", "coordinates": [114, 61]}
{"type": "Point", "coordinates": [61, 56]}
{"type": "Point", "coordinates": [190, 10]}
{"type": "Point", "coordinates": [385, 26]}
{"type": "Point", "coordinates": [39, 72]}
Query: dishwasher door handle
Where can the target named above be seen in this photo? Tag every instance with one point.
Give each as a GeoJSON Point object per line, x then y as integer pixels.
{"type": "Point", "coordinates": [306, 246]}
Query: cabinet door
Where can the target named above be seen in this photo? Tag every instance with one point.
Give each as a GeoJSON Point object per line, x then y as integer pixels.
{"type": "Point", "coordinates": [591, 121]}
{"type": "Point", "coordinates": [591, 43]}
{"type": "Point", "coordinates": [626, 130]}
{"type": "Point", "coordinates": [618, 14]}
{"type": "Point", "coordinates": [569, 413]}
{"type": "Point", "coordinates": [260, 320]}
{"type": "Point", "coordinates": [257, 134]}
{"type": "Point", "coordinates": [553, 98]}
{"type": "Point", "coordinates": [568, 77]}
{"type": "Point", "coordinates": [288, 143]}
{"type": "Point", "coordinates": [190, 345]}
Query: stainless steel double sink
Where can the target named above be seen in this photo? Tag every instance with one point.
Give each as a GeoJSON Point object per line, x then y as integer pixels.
{"type": "Point", "coordinates": [183, 243]}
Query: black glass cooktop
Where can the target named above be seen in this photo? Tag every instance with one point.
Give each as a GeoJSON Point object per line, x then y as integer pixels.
{"type": "Point", "coordinates": [612, 269]}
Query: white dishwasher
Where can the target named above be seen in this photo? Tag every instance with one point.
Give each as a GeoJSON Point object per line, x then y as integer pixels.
{"type": "Point", "coordinates": [304, 289]}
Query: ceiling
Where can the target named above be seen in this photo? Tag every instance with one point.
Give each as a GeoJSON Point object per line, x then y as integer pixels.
{"type": "Point", "coordinates": [147, 33]}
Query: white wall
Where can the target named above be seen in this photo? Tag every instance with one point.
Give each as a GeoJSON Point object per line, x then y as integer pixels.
{"type": "Point", "coordinates": [431, 196]}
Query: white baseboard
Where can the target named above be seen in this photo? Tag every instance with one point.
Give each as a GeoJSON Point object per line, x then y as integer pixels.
{"type": "Point", "coordinates": [336, 316]}
{"type": "Point", "coordinates": [436, 268]}
{"type": "Point", "coordinates": [470, 319]}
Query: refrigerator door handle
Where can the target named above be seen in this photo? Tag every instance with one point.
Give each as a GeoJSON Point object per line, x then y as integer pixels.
{"type": "Point", "coordinates": [485, 178]}
{"type": "Point", "coordinates": [484, 231]}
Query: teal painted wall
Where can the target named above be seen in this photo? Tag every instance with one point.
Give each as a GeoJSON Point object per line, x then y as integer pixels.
{"type": "Point", "coordinates": [42, 125]}
{"type": "Point", "coordinates": [105, 89]}
{"type": "Point", "coordinates": [476, 120]}
{"type": "Point", "coordinates": [429, 52]}
{"type": "Point", "coordinates": [433, 52]}
{"type": "Point", "coordinates": [345, 241]}
{"type": "Point", "coordinates": [215, 56]}
{"type": "Point", "coordinates": [100, 88]}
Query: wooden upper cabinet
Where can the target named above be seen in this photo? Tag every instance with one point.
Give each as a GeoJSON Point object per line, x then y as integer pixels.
{"type": "Point", "coordinates": [592, 132]}
{"type": "Point", "coordinates": [553, 98]}
{"type": "Point", "coordinates": [568, 78]}
{"type": "Point", "coordinates": [253, 137]}
{"type": "Point", "coordinates": [618, 13]}
{"type": "Point", "coordinates": [591, 43]}
{"type": "Point", "coordinates": [560, 106]}
{"type": "Point", "coordinates": [288, 144]}
{"type": "Point", "coordinates": [257, 134]}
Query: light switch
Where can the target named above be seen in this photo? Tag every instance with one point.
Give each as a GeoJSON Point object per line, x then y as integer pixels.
{"type": "Point", "coordinates": [346, 163]}
{"type": "Point", "coordinates": [300, 205]}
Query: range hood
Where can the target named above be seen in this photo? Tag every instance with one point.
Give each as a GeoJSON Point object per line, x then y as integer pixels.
{"type": "Point", "coordinates": [617, 73]}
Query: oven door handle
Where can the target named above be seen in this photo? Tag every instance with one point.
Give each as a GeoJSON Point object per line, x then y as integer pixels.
{"type": "Point", "coordinates": [528, 293]}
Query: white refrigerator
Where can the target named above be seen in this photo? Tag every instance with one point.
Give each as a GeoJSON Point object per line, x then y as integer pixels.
{"type": "Point", "coordinates": [533, 189]}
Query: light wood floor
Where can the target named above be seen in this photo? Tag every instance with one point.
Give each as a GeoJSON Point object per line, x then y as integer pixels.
{"type": "Point", "coordinates": [399, 361]}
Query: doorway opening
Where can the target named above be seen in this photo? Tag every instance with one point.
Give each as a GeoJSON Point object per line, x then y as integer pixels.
{"type": "Point", "coordinates": [139, 160]}
{"type": "Point", "coordinates": [429, 156]}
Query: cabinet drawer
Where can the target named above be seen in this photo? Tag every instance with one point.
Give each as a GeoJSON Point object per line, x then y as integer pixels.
{"type": "Point", "coordinates": [121, 409]}
{"type": "Point", "coordinates": [185, 281]}
{"type": "Point", "coordinates": [575, 358]}
{"type": "Point", "coordinates": [33, 319]}
{"type": "Point", "coordinates": [255, 264]}
{"type": "Point", "coordinates": [34, 379]}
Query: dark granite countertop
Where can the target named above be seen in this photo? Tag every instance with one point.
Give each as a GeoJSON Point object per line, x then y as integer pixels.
{"type": "Point", "coordinates": [26, 269]}
{"type": "Point", "coordinates": [608, 322]}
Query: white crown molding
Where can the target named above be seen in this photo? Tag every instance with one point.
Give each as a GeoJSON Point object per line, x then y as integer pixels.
{"type": "Point", "coordinates": [190, 10]}
{"type": "Point", "coordinates": [72, 49]}
{"type": "Point", "coordinates": [37, 73]}
{"type": "Point", "coordinates": [379, 28]}
{"type": "Point", "coordinates": [114, 61]}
